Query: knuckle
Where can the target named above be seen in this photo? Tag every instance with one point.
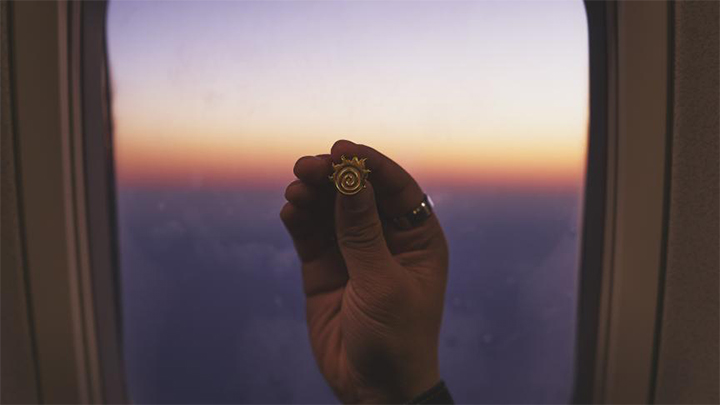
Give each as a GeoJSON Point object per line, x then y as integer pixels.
{"type": "Point", "coordinates": [286, 213]}
{"type": "Point", "coordinates": [298, 164]}
{"type": "Point", "coordinates": [289, 189]}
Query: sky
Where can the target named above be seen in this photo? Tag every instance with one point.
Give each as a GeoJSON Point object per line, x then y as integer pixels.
{"type": "Point", "coordinates": [459, 92]}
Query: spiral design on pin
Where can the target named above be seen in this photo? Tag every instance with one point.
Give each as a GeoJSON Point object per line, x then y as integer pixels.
{"type": "Point", "coordinates": [349, 180]}
{"type": "Point", "coordinates": [350, 175]}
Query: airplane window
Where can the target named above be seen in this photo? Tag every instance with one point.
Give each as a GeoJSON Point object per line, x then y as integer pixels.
{"type": "Point", "coordinates": [485, 103]}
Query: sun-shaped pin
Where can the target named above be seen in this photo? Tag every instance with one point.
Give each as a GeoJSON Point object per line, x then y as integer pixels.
{"type": "Point", "coordinates": [350, 175]}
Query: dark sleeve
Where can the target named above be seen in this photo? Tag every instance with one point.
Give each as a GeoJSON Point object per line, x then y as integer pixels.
{"type": "Point", "coordinates": [436, 395]}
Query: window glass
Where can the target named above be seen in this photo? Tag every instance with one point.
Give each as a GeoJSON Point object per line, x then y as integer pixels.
{"type": "Point", "coordinates": [484, 102]}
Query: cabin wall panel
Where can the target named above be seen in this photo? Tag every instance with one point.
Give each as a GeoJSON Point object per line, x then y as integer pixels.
{"type": "Point", "coordinates": [688, 355]}
{"type": "Point", "coordinates": [18, 373]}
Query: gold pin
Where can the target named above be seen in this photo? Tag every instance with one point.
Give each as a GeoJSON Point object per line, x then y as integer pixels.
{"type": "Point", "coordinates": [349, 175]}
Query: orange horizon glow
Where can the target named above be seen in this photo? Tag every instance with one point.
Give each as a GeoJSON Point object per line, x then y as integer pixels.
{"type": "Point", "coordinates": [229, 164]}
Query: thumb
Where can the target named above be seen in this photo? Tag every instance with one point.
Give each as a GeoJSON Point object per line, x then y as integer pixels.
{"type": "Point", "coordinates": [360, 234]}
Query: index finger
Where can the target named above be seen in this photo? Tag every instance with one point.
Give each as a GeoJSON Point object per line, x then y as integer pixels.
{"type": "Point", "coordinates": [397, 192]}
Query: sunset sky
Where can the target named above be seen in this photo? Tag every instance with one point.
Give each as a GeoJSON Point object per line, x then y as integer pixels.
{"type": "Point", "coordinates": [459, 92]}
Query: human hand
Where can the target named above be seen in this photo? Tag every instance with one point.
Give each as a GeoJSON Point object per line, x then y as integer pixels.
{"type": "Point", "coordinates": [374, 293]}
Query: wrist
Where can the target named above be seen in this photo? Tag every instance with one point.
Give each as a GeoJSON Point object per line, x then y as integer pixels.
{"type": "Point", "coordinates": [404, 391]}
{"type": "Point", "coordinates": [438, 394]}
